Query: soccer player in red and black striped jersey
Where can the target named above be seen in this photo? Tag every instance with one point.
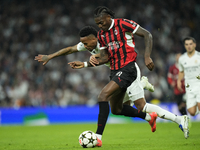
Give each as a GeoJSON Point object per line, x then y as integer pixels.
{"type": "Point", "coordinates": [117, 38]}
{"type": "Point", "coordinates": [120, 43]}
{"type": "Point", "coordinates": [117, 46]}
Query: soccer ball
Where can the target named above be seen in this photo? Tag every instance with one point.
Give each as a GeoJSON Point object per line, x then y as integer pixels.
{"type": "Point", "coordinates": [87, 139]}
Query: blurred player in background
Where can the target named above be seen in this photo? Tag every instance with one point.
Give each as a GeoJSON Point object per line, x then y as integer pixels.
{"type": "Point", "coordinates": [189, 68]}
{"type": "Point", "coordinates": [172, 77]}
{"type": "Point", "coordinates": [117, 46]}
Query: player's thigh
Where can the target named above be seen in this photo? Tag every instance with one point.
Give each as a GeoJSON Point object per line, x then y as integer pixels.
{"type": "Point", "coordinates": [111, 89]}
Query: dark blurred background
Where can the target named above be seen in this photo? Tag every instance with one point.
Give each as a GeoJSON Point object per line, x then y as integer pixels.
{"type": "Point", "coordinates": [32, 27]}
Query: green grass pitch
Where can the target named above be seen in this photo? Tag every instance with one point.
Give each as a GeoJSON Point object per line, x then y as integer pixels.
{"type": "Point", "coordinates": [131, 136]}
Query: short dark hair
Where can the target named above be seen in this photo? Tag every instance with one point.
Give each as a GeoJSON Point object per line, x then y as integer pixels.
{"type": "Point", "coordinates": [189, 38]}
{"type": "Point", "coordinates": [100, 10]}
{"type": "Point", "coordinates": [87, 30]}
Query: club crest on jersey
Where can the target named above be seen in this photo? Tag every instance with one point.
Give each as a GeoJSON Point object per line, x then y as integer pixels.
{"type": "Point", "coordinates": [116, 32]}
{"type": "Point", "coordinates": [102, 36]}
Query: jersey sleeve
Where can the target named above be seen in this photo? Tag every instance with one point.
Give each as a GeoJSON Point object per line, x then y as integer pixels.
{"type": "Point", "coordinates": [81, 47]}
{"type": "Point", "coordinates": [180, 66]}
{"type": "Point", "coordinates": [129, 25]}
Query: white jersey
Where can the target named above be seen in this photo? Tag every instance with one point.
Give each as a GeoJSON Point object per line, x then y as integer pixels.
{"type": "Point", "coordinates": [191, 67]}
{"type": "Point", "coordinates": [81, 47]}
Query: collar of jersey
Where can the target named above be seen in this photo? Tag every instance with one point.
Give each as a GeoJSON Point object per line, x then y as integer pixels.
{"type": "Point", "coordinates": [112, 24]}
{"type": "Point", "coordinates": [96, 49]}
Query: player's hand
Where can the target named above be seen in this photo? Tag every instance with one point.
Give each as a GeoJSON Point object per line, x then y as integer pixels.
{"type": "Point", "coordinates": [179, 86]}
{"type": "Point", "coordinates": [76, 64]}
{"type": "Point", "coordinates": [149, 63]}
{"type": "Point", "coordinates": [173, 84]}
{"type": "Point", "coordinates": [93, 61]}
{"type": "Point", "coordinates": [42, 58]}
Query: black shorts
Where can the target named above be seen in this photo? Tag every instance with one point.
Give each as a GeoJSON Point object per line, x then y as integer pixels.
{"type": "Point", "coordinates": [124, 76]}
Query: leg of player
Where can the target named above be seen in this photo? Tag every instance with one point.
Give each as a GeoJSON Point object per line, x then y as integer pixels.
{"type": "Point", "coordinates": [129, 111]}
{"type": "Point", "coordinates": [146, 85]}
{"type": "Point", "coordinates": [141, 104]}
{"type": "Point", "coordinates": [183, 121]}
{"type": "Point", "coordinates": [182, 108]}
{"type": "Point", "coordinates": [181, 103]}
{"type": "Point", "coordinates": [113, 93]}
{"type": "Point", "coordinates": [150, 117]}
{"type": "Point", "coordinates": [106, 94]}
{"type": "Point", "coordinates": [198, 108]}
{"type": "Point", "coordinates": [194, 110]}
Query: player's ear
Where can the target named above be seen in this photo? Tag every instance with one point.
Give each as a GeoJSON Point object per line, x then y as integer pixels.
{"type": "Point", "coordinates": [93, 37]}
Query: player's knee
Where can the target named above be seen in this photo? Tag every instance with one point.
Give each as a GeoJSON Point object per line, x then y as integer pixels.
{"type": "Point", "coordinates": [140, 103]}
{"type": "Point", "coordinates": [192, 113]}
{"type": "Point", "coordinates": [103, 96]}
{"type": "Point", "coordinates": [116, 111]}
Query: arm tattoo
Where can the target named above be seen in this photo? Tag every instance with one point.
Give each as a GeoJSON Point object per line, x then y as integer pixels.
{"type": "Point", "coordinates": [103, 56]}
{"type": "Point", "coordinates": [102, 59]}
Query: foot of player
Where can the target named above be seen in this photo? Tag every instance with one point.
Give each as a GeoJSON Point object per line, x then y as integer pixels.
{"type": "Point", "coordinates": [184, 126]}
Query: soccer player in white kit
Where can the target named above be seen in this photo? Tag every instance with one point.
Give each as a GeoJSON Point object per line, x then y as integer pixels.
{"type": "Point", "coordinates": [189, 68]}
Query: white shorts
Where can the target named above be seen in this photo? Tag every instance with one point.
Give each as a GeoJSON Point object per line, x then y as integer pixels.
{"type": "Point", "coordinates": [135, 91]}
{"type": "Point", "coordinates": [192, 95]}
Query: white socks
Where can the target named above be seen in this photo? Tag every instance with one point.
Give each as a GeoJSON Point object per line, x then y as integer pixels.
{"type": "Point", "coordinates": [148, 117]}
{"type": "Point", "coordinates": [162, 113]}
{"type": "Point", "coordinates": [197, 111]}
{"type": "Point", "coordinates": [99, 136]}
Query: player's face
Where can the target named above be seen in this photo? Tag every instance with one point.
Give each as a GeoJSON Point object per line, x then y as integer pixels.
{"type": "Point", "coordinates": [103, 22]}
{"type": "Point", "coordinates": [90, 42]}
{"type": "Point", "coordinates": [190, 46]}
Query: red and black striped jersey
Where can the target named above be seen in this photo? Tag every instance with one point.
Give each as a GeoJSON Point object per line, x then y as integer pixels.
{"type": "Point", "coordinates": [172, 77]}
{"type": "Point", "coordinates": [119, 41]}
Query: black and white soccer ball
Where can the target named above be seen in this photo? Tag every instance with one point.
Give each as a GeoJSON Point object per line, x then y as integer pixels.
{"type": "Point", "coordinates": [87, 139]}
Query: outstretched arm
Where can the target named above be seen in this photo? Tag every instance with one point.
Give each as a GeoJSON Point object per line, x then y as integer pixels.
{"type": "Point", "coordinates": [64, 51]}
{"type": "Point", "coordinates": [148, 39]}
